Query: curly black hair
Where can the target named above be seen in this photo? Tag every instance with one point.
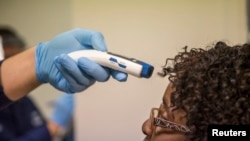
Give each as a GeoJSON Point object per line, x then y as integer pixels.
{"type": "Point", "coordinates": [212, 85]}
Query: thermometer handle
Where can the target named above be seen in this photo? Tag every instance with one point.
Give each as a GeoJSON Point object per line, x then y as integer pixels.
{"type": "Point", "coordinates": [117, 62]}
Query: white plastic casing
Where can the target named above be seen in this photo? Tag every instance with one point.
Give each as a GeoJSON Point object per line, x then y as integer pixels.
{"type": "Point", "coordinates": [128, 65]}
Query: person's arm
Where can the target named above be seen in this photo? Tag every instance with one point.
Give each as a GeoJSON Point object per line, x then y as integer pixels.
{"type": "Point", "coordinates": [48, 62]}
{"type": "Point", "coordinates": [18, 75]}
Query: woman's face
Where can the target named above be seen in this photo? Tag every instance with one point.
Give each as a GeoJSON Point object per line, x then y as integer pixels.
{"type": "Point", "coordinates": [173, 120]}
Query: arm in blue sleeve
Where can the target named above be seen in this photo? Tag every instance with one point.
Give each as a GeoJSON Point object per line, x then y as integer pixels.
{"type": "Point", "coordinates": [37, 134]}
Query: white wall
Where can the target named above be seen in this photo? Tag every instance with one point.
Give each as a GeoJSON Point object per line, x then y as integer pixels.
{"type": "Point", "coordinates": [150, 30]}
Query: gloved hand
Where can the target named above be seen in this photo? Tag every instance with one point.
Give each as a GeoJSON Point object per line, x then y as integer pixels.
{"type": "Point", "coordinates": [54, 66]}
{"type": "Point", "coordinates": [63, 110]}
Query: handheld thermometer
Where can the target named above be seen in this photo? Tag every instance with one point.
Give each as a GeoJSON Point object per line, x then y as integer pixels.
{"type": "Point", "coordinates": [118, 62]}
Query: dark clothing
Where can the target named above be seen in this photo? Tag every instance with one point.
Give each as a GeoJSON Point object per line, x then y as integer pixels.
{"type": "Point", "coordinates": [22, 121]}
{"type": "Point", "coordinates": [4, 101]}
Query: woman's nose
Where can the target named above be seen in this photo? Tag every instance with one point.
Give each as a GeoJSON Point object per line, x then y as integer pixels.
{"type": "Point", "coordinates": [146, 128]}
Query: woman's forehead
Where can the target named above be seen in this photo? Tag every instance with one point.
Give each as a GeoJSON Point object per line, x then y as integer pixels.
{"type": "Point", "coordinates": [168, 91]}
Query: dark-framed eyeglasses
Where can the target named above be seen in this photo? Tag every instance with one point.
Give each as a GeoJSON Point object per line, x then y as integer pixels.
{"type": "Point", "coordinates": [157, 121]}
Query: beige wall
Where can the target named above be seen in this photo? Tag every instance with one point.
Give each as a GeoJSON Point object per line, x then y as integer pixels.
{"type": "Point", "coordinates": [150, 30]}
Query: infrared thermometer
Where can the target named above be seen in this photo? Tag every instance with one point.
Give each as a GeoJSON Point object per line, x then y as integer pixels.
{"type": "Point", "coordinates": [117, 62]}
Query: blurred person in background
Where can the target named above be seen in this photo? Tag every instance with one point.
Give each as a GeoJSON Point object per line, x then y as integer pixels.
{"type": "Point", "coordinates": [22, 120]}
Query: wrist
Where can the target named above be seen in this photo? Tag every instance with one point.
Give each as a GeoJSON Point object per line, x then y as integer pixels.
{"type": "Point", "coordinates": [38, 59]}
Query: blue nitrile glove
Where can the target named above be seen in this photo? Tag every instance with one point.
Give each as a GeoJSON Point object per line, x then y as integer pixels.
{"type": "Point", "coordinates": [55, 67]}
{"type": "Point", "coordinates": [63, 110]}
